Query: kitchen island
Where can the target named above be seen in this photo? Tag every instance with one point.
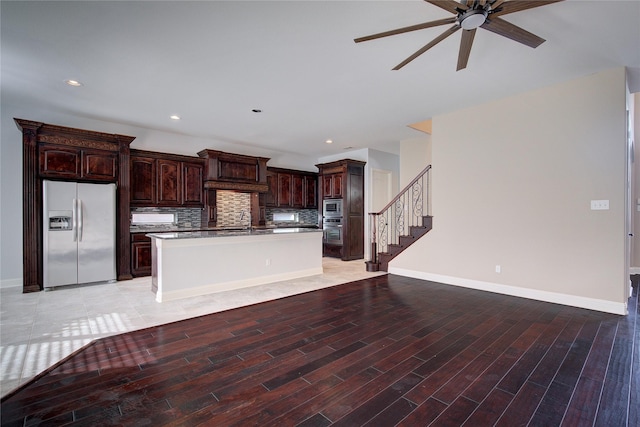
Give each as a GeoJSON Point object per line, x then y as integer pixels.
{"type": "Point", "coordinates": [195, 263]}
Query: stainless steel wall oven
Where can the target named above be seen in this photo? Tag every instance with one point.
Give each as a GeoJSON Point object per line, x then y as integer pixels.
{"type": "Point", "coordinates": [332, 231]}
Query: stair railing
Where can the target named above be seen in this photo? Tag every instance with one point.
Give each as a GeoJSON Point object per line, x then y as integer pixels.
{"type": "Point", "coordinates": [405, 210]}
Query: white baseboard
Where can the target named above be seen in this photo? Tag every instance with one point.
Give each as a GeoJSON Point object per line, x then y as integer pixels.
{"type": "Point", "coordinates": [564, 299]}
{"type": "Point", "coordinates": [10, 283]}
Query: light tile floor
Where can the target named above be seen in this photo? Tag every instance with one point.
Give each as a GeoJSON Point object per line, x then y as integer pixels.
{"type": "Point", "coordinates": [39, 329]}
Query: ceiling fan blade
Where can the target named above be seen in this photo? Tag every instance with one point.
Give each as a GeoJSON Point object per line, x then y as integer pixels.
{"type": "Point", "coordinates": [428, 46]}
{"type": "Point", "coordinates": [465, 48]}
{"type": "Point", "coordinates": [407, 29]}
{"type": "Point", "coordinates": [519, 5]}
{"type": "Point", "coordinates": [450, 5]}
{"type": "Point", "coordinates": [513, 32]}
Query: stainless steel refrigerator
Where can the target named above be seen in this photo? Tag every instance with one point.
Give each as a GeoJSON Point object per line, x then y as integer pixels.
{"type": "Point", "coordinates": [79, 233]}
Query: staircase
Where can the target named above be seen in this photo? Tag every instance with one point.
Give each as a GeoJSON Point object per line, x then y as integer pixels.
{"type": "Point", "coordinates": [402, 222]}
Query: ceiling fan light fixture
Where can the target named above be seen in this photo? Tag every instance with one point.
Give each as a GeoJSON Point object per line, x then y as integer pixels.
{"type": "Point", "coordinates": [472, 19]}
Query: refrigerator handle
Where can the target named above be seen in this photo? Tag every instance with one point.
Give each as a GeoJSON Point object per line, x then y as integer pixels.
{"type": "Point", "coordinates": [74, 220]}
{"type": "Point", "coordinates": [80, 220]}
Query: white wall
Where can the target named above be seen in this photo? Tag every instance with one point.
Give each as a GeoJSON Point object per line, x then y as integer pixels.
{"type": "Point", "coordinates": [512, 185]}
{"type": "Point", "coordinates": [146, 139]}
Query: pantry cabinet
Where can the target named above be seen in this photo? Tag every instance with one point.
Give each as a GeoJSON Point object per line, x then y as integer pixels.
{"type": "Point", "coordinates": [344, 179]}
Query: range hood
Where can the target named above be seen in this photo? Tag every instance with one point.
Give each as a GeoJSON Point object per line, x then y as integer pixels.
{"type": "Point", "coordinates": [227, 171]}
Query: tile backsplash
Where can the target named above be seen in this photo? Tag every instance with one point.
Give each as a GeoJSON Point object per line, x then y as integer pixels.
{"type": "Point", "coordinates": [185, 218]}
{"type": "Point", "coordinates": [234, 208]}
{"type": "Point", "coordinates": [305, 216]}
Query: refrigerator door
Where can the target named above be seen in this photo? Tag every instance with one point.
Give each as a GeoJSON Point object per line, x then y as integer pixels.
{"type": "Point", "coordinates": [59, 243]}
{"type": "Point", "coordinates": [96, 232]}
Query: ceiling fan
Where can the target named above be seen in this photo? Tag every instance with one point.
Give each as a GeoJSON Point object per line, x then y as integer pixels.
{"type": "Point", "coordinates": [469, 15]}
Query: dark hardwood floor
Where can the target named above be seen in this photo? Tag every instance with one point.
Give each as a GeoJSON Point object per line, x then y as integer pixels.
{"type": "Point", "coordinates": [378, 352]}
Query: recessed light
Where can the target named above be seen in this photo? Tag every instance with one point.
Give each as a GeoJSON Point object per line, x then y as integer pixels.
{"type": "Point", "coordinates": [328, 141]}
{"type": "Point", "coordinates": [73, 83]}
{"type": "Point", "coordinates": [174, 117]}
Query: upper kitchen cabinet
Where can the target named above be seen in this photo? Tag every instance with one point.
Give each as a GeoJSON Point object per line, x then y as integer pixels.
{"type": "Point", "coordinates": [310, 188]}
{"type": "Point", "coordinates": [160, 179]}
{"type": "Point", "coordinates": [228, 171]}
{"type": "Point", "coordinates": [76, 163]}
{"type": "Point", "coordinates": [292, 189]}
{"type": "Point", "coordinates": [192, 183]}
{"type": "Point", "coordinates": [332, 185]}
{"type": "Point", "coordinates": [69, 154]}
{"type": "Point", "coordinates": [169, 183]}
{"type": "Point", "coordinates": [143, 180]}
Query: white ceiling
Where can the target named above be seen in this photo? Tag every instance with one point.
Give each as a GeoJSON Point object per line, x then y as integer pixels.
{"type": "Point", "coordinates": [212, 62]}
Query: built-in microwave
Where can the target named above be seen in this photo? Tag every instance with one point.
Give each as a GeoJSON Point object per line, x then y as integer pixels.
{"type": "Point", "coordinates": [332, 208]}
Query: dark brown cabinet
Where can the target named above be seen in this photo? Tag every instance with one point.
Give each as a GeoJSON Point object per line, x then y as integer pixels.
{"type": "Point", "coordinates": [310, 187]}
{"type": "Point", "coordinates": [64, 153]}
{"type": "Point", "coordinates": [143, 180]}
{"type": "Point", "coordinates": [159, 179]}
{"type": "Point", "coordinates": [140, 255]}
{"type": "Point", "coordinates": [345, 179]}
{"type": "Point", "coordinates": [291, 189]}
{"type": "Point", "coordinates": [284, 189]}
{"type": "Point", "coordinates": [192, 184]}
{"type": "Point", "coordinates": [77, 163]}
{"type": "Point", "coordinates": [169, 180]}
{"type": "Point", "coordinates": [271, 196]}
{"type": "Point", "coordinates": [332, 185]}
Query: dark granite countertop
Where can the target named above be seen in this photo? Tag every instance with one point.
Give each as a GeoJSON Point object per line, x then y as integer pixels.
{"type": "Point", "coordinates": [152, 229]}
{"type": "Point", "coordinates": [228, 232]}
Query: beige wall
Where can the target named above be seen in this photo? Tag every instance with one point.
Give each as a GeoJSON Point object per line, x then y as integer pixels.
{"type": "Point", "coordinates": [415, 155]}
{"type": "Point", "coordinates": [512, 185]}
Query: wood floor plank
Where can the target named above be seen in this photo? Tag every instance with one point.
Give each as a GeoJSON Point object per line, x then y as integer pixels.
{"type": "Point", "coordinates": [383, 351]}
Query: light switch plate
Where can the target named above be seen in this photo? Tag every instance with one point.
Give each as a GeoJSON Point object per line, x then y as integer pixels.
{"type": "Point", "coordinates": [599, 205]}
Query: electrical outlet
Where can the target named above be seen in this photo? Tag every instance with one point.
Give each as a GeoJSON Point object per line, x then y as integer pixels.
{"type": "Point", "coordinates": [498, 269]}
{"type": "Point", "coordinates": [267, 262]}
{"type": "Point", "coordinates": [599, 205]}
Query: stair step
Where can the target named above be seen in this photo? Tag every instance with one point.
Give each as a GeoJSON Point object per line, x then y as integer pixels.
{"type": "Point", "coordinates": [394, 249]}
{"type": "Point", "coordinates": [406, 240]}
{"type": "Point", "coordinates": [418, 231]}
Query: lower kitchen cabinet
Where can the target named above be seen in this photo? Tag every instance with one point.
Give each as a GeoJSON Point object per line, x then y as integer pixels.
{"type": "Point", "coordinates": [140, 255]}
